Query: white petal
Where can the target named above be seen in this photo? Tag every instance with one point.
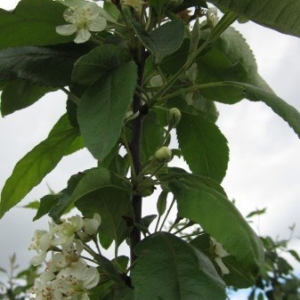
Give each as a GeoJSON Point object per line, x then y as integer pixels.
{"type": "Point", "coordinates": [220, 263]}
{"type": "Point", "coordinates": [37, 260]}
{"type": "Point", "coordinates": [82, 36]}
{"type": "Point", "coordinates": [98, 24]}
{"type": "Point", "coordinates": [90, 277]}
{"type": "Point", "coordinates": [66, 29]}
{"type": "Point", "coordinates": [69, 15]}
{"type": "Point", "coordinates": [92, 9]}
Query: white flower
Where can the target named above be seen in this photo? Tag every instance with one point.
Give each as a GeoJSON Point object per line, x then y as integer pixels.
{"type": "Point", "coordinates": [69, 255]}
{"type": "Point", "coordinates": [77, 279]}
{"type": "Point", "coordinates": [212, 16]}
{"type": "Point", "coordinates": [90, 226]}
{"type": "Point", "coordinates": [42, 240]}
{"type": "Point", "coordinates": [82, 19]}
{"type": "Point", "coordinates": [220, 252]}
{"type": "Point", "coordinates": [65, 231]}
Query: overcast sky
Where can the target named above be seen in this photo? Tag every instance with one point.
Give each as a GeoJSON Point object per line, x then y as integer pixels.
{"type": "Point", "coordinates": [264, 168]}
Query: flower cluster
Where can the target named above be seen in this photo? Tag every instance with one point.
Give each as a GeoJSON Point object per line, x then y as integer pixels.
{"type": "Point", "coordinates": [67, 275]}
{"type": "Point", "coordinates": [82, 19]}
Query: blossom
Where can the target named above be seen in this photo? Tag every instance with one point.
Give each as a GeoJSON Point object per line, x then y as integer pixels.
{"type": "Point", "coordinates": [82, 19]}
{"type": "Point", "coordinates": [65, 232]}
{"type": "Point", "coordinates": [67, 256]}
{"type": "Point", "coordinates": [90, 226]}
{"type": "Point", "coordinates": [220, 252]}
{"type": "Point", "coordinates": [77, 279]}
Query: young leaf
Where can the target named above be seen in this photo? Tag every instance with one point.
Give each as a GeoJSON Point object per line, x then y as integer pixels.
{"type": "Point", "coordinates": [220, 218]}
{"type": "Point", "coordinates": [279, 15]}
{"type": "Point", "coordinates": [19, 94]}
{"type": "Point", "coordinates": [32, 23]}
{"type": "Point", "coordinates": [103, 107]}
{"type": "Point", "coordinates": [36, 164]}
{"type": "Point", "coordinates": [171, 269]}
{"type": "Point", "coordinates": [203, 146]}
{"type": "Point", "coordinates": [114, 206]}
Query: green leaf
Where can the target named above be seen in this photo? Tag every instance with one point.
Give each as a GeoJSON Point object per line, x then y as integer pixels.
{"type": "Point", "coordinates": [253, 93]}
{"type": "Point", "coordinates": [97, 63]}
{"type": "Point", "coordinates": [94, 180]}
{"type": "Point", "coordinates": [164, 40]}
{"type": "Point", "coordinates": [19, 94]}
{"type": "Point", "coordinates": [36, 164]}
{"type": "Point", "coordinates": [32, 23]}
{"type": "Point", "coordinates": [239, 275]}
{"type": "Point", "coordinates": [64, 203]}
{"type": "Point", "coordinates": [279, 15]}
{"type": "Point", "coordinates": [46, 203]}
{"type": "Point", "coordinates": [203, 146]}
{"type": "Point", "coordinates": [171, 269]}
{"type": "Point", "coordinates": [103, 107]}
{"type": "Point", "coordinates": [220, 218]}
{"type": "Point", "coordinates": [294, 254]}
{"type": "Point", "coordinates": [48, 66]}
{"type": "Point", "coordinates": [114, 206]}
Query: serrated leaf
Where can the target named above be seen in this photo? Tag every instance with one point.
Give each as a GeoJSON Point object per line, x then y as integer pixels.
{"type": "Point", "coordinates": [19, 94]}
{"type": "Point", "coordinates": [36, 164]}
{"type": "Point", "coordinates": [203, 146]}
{"type": "Point", "coordinates": [204, 206]}
{"type": "Point", "coordinates": [164, 40]}
{"type": "Point", "coordinates": [47, 66]}
{"type": "Point", "coordinates": [32, 23]}
{"type": "Point", "coordinates": [181, 272]}
{"type": "Point", "coordinates": [279, 15]}
{"type": "Point", "coordinates": [114, 206]}
{"type": "Point", "coordinates": [253, 93]}
{"type": "Point", "coordinates": [103, 107]}
{"type": "Point", "coordinates": [98, 62]}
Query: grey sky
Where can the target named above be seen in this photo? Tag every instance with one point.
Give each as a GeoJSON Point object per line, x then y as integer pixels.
{"type": "Point", "coordinates": [264, 168]}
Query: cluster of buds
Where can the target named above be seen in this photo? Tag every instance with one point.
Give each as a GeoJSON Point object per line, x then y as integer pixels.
{"type": "Point", "coordinates": [67, 275]}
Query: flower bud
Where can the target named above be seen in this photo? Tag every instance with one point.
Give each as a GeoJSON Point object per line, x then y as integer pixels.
{"type": "Point", "coordinates": [163, 155]}
{"type": "Point", "coordinates": [174, 117]}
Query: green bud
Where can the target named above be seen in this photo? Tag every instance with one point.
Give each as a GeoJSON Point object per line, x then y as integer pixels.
{"type": "Point", "coordinates": [174, 117]}
{"type": "Point", "coordinates": [163, 155]}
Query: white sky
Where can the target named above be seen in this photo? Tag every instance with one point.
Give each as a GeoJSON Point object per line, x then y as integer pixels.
{"type": "Point", "coordinates": [264, 168]}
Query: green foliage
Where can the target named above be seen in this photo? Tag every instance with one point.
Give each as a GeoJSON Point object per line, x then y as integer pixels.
{"type": "Point", "coordinates": [281, 15]}
{"type": "Point", "coordinates": [151, 75]}
{"type": "Point", "coordinates": [203, 146]}
{"type": "Point", "coordinates": [186, 272]}
{"type": "Point", "coordinates": [32, 23]}
{"type": "Point", "coordinates": [103, 107]}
